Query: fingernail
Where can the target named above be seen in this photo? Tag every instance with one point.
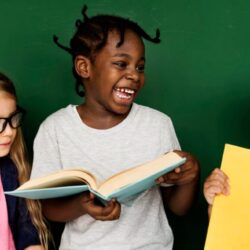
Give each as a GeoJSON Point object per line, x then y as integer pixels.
{"type": "Point", "coordinates": [161, 179]}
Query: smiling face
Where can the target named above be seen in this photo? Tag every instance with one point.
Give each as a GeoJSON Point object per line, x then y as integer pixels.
{"type": "Point", "coordinates": [116, 75]}
{"type": "Point", "coordinates": [7, 137]}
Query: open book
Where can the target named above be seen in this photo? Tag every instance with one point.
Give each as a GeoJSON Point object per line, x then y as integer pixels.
{"type": "Point", "coordinates": [122, 186]}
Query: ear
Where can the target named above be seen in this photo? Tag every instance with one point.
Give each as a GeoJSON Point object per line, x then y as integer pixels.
{"type": "Point", "coordinates": [82, 66]}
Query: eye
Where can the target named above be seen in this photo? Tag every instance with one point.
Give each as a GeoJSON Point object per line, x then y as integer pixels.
{"type": "Point", "coordinates": [120, 64]}
{"type": "Point", "coordinates": [2, 121]}
{"type": "Point", "coordinates": [140, 68]}
{"type": "Point", "coordinates": [16, 119]}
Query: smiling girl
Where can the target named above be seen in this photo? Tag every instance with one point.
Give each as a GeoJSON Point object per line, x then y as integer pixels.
{"type": "Point", "coordinates": [109, 133]}
{"type": "Point", "coordinates": [16, 228]}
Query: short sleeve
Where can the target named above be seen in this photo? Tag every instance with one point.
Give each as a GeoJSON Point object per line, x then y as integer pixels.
{"type": "Point", "coordinates": [169, 139]}
{"type": "Point", "coordinates": [46, 152]}
{"type": "Point", "coordinates": [174, 139]}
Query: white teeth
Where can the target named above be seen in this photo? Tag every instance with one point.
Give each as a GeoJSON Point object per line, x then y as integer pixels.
{"type": "Point", "coordinates": [126, 90]}
{"type": "Point", "coordinates": [122, 96]}
{"type": "Point", "coordinates": [130, 91]}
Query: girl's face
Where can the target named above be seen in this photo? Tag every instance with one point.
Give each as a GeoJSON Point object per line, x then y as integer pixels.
{"type": "Point", "coordinates": [117, 74]}
{"type": "Point", "coordinates": [7, 107]}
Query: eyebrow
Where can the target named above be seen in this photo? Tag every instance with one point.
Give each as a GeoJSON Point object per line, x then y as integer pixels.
{"type": "Point", "coordinates": [12, 113]}
{"type": "Point", "coordinates": [126, 56]}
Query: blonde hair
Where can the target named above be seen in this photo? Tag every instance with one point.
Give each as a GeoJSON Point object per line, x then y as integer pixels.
{"type": "Point", "coordinates": [18, 154]}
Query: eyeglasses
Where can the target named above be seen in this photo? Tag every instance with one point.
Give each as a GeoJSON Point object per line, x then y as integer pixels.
{"type": "Point", "coordinates": [13, 120]}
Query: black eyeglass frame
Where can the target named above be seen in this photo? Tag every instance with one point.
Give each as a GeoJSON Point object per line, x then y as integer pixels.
{"type": "Point", "coordinates": [8, 120]}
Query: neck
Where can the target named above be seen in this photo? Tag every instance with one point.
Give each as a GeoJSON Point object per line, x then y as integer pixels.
{"type": "Point", "coordinates": [99, 118]}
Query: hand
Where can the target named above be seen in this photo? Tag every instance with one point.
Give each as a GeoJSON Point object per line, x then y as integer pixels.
{"type": "Point", "coordinates": [109, 212]}
{"type": "Point", "coordinates": [185, 174]}
{"type": "Point", "coordinates": [216, 183]}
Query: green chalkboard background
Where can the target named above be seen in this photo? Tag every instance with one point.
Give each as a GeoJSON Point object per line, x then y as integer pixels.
{"type": "Point", "coordinates": [199, 75]}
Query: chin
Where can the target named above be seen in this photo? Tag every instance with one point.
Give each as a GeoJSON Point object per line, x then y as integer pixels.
{"type": "Point", "coordinates": [123, 110]}
{"type": "Point", "coordinates": [4, 152]}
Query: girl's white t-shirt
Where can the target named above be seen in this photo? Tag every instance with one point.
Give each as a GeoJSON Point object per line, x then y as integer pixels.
{"type": "Point", "coordinates": [64, 141]}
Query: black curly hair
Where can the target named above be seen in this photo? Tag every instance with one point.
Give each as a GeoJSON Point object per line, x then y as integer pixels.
{"type": "Point", "coordinates": [91, 36]}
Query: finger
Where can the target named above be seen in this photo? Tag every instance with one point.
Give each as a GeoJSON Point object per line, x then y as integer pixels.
{"type": "Point", "coordinates": [219, 176]}
{"type": "Point", "coordinates": [92, 196]}
{"type": "Point", "coordinates": [115, 214]}
{"type": "Point", "coordinates": [87, 196]}
{"type": "Point", "coordinates": [112, 214]}
{"type": "Point", "coordinates": [181, 153]}
{"type": "Point", "coordinates": [214, 183]}
{"type": "Point", "coordinates": [219, 172]}
{"type": "Point", "coordinates": [191, 164]}
{"type": "Point", "coordinates": [178, 170]}
{"type": "Point", "coordinates": [187, 155]}
{"type": "Point", "coordinates": [209, 198]}
{"type": "Point", "coordinates": [160, 180]}
{"type": "Point", "coordinates": [96, 210]}
{"type": "Point", "coordinates": [100, 211]}
{"type": "Point", "coordinates": [185, 179]}
{"type": "Point", "coordinates": [170, 177]}
{"type": "Point", "coordinates": [181, 172]}
{"type": "Point", "coordinates": [216, 189]}
{"type": "Point", "coordinates": [173, 175]}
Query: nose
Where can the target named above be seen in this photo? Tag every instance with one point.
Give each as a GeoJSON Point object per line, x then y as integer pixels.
{"type": "Point", "coordinates": [133, 75]}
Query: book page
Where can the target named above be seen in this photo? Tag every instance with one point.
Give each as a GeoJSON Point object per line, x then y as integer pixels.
{"type": "Point", "coordinates": [61, 178]}
{"type": "Point", "coordinates": [138, 173]}
{"type": "Point", "coordinates": [230, 219]}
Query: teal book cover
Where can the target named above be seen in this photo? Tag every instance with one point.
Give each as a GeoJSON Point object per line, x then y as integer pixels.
{"type": "Point", "coordinates": [123, 186]}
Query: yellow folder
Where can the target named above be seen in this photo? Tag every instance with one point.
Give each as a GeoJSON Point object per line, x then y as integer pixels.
{"type": "Point", "coordinates": [229, 226]}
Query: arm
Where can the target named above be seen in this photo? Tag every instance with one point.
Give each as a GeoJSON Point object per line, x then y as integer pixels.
{"type": "Point", "coordinates": [179, 197]}
{"type": "Point", "coordinates": [216, 183]}
{"type": "Point", "coordinates": [70, 208]}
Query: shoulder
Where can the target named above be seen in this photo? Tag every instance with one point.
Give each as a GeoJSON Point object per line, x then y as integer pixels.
{"type": "Point", "coordinates": [152, 120]}
{"type": "Point", "coordinates": [152, 114]}
{"type": "Point", "coordinates": [49, 127]}
{"type": "Point", "coordinates": [59, 117]}
{"type": "Point", "coordinates": [156, 125]}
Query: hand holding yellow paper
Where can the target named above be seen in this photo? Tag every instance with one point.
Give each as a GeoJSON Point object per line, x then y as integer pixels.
{"type": "Point", "coordinates": [229, 226]}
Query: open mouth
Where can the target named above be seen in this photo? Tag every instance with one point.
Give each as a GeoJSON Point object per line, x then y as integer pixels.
{"type": "Point", "coordinates": [124, 93]}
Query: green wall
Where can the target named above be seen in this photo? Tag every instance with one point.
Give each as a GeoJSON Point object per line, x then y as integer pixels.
{"type": "Point", "coordinates": [199, 74]}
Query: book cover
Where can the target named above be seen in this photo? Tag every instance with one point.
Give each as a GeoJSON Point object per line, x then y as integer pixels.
{"type": "Point", "coordinates": [123, 186]}
{"type": "Point", "coordinates": [230, 218]}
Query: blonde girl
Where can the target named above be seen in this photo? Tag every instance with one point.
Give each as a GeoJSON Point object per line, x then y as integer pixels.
{"type": "Point", "coordinates": [25, 228]}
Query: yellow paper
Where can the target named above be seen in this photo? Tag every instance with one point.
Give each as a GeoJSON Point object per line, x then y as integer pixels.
{"type": "Point", "coordinates": [229, 227]}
